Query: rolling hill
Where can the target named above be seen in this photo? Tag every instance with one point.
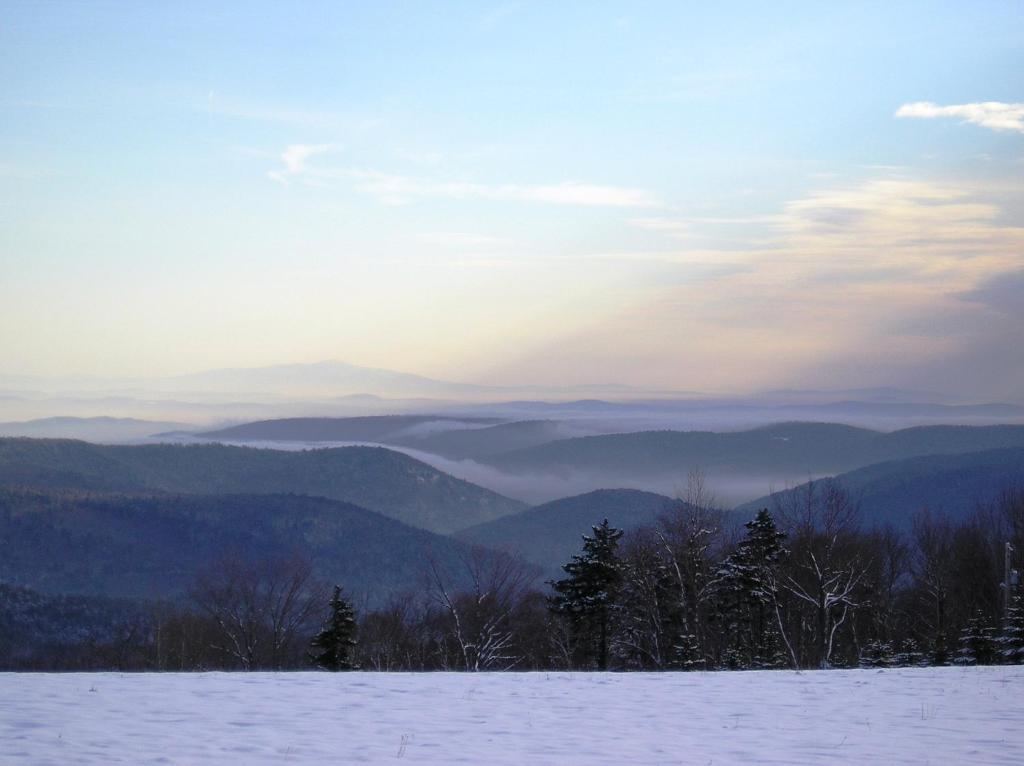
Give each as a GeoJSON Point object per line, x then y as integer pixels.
{"type": "Point", "coordinates": [36, 627]}
{"type": "Point", "coordinates": [476, 443]}
{"type": "Point", "coordinates": [145, 547]}
{"type": "Point", "coordinates": [794, 448]}
{"type": "Point", "coordinates": [372, 477]}
{"type": "Point", "coordinates": [386, 429]}
{"type": "Point", "coordinates": [951, 485]}
{"type": "Point", "coordinates": [549, 534]}
{"type": "Point", "coordinates": [98, 429]}
{"type": "Point", "coordinates": [452, 437]}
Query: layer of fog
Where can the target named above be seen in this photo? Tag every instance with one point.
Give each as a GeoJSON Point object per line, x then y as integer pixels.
{"type": "Point", "coordinates": [585, 416]}
{"type": "Point", "coordinates": [729, 490]}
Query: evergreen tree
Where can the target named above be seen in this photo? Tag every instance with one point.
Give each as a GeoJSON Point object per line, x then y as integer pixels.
{"type": "Point", "coordinates": [1010, 643]}
{"type": "Point", "coordinates": [686, 653]}
{"type": "Point", "coordinates": [939, 654]}
{"type": "Point", "coordinates": [877, 654]}
{"type": "Point", "coordinates": [745, 589]}
{"type": "Point", "coordinates": [586, 599]}
{"type": "Point", "coordinates": [910, 654]}
{"type": "Point", "coordinates": [334, 645]}
{"type": "Point", "coordinates": [977, 642]}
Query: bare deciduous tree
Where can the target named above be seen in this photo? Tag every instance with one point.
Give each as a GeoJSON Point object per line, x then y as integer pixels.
{"type": "Point", "coordinates": [691, 536]}
{"type": "Point", "coordinates": [260, 607]}
{"type": "Point", "coordinates": [933, 573]}
{"type": "Point", "coordinates": [478, 619]}
{"type": "Point", "coordinates": [827, 565]}
{"type": "Point", "coordinates": [647, 636]}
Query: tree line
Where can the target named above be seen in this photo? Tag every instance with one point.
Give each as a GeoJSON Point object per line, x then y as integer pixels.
{"type": "Point", "coordinates": [802, 585]}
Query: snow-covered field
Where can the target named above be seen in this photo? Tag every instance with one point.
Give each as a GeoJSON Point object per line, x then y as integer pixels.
{"type": "Point", "coordinates": [935, 715]}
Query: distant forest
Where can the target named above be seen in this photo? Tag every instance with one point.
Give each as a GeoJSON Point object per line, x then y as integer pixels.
{"type": "Point", "coordinates": [806, 583]}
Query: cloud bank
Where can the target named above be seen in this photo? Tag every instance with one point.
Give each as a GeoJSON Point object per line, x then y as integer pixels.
{"type": "Point", "coordinates": [876, 282]}
{"type": "Point", "coordinates": [994, 115]}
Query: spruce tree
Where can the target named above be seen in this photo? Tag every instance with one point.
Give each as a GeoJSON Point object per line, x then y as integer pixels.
{"type": "Point", "coordinates": [939, 654]}
{"type": "Point", "coordinates": [745, 588]}
{"type": "Point", "coordinates": [1010, 643]}
{"type": "Point", "coordinates": [977, 642]}
{"type": "Point", "coordinates": [877, 654]}
{"type": "Point", "coordinates": [587, 597]}
{"type": "Point", "coordinates": [334, 645]}
{"type": "Point", "coordinates": [910, 654]}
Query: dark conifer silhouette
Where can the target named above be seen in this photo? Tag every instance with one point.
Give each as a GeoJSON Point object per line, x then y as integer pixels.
{"type": "Point", "coordinates": [746, 588]}
{"type": "Point", "coordinates": [587, 597]}
{"type": "Point", "coordinates": [334, 645]}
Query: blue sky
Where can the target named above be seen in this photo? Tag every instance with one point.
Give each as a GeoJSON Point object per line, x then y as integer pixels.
{"type": "Point", "coordinates": [719, 198]}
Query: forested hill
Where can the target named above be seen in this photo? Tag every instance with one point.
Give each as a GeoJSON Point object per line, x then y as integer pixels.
{"type": "Point", "coordinates": [371, 428]}
{"type": "Point", "coordinates": [441, 435]}
{"type": "Point", "coordinates": [147, 547]}
{"type": "Point", "coordinates": [549, 534]}
{"type": "Point", "coordinates": [44, 631]}
{"type": "Point", "coordinates": [379, 479]}
{"type": "Point", "coordinates": [948, 485]}
{"type": "Point", "coordinates": [796, 448]}
{"type": "Point", "coordinates": [476, 443]}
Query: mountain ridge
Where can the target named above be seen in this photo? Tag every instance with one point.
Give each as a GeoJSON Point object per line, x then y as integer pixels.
{"type": "Point", "coordinates": [548, 534]}
{"type": "Point", "coordinates": [382, 480]}
{"type": "Point", "coordinates": [891, 492]}
{"type": "Point", "coordinates": [144, 546]}
{"type": "Point", "coordinates": [812, 448]}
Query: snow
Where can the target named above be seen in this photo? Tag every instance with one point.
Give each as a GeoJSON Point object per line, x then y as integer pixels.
{"type": "Point", "coordinates": [907, 716]}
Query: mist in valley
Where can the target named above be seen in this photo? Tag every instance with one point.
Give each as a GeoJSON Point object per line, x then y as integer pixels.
{"type": "Point", "coordinates": [110, 416]}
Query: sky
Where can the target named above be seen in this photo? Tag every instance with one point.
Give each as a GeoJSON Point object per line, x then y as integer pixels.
{"type": "Point", "coordinates": [726, 199]}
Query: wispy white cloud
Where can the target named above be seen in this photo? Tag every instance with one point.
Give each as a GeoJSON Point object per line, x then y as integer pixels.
{"type": "Point", "coordinates": [398, 189]}
{"type": "Point", "coordinates": [294, 158]}
{"type": "Point", "coordinates": [746, 229]}
{"type": "Point", "coordinates": [572, 193]}
{"type": "Point", "coordinates": [394, 189]}
{"type": "Point", "coordinates": [994, 115]}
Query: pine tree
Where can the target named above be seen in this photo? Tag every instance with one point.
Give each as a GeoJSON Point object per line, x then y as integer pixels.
{"type": "Point", "coordinates": [334, 645]}
{"type": "Point", "coordinates": [587, 597]}
{"type": "Point", "coordinates": [1010, 643]}
{"type": "Point", "coordinates": [745, 588]}
{"type": "Point", "coordinates": [977, 642]}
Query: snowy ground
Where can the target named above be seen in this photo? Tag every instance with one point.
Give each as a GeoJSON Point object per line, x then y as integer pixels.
{"type": "Point", "coordinates": [937, 716]}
